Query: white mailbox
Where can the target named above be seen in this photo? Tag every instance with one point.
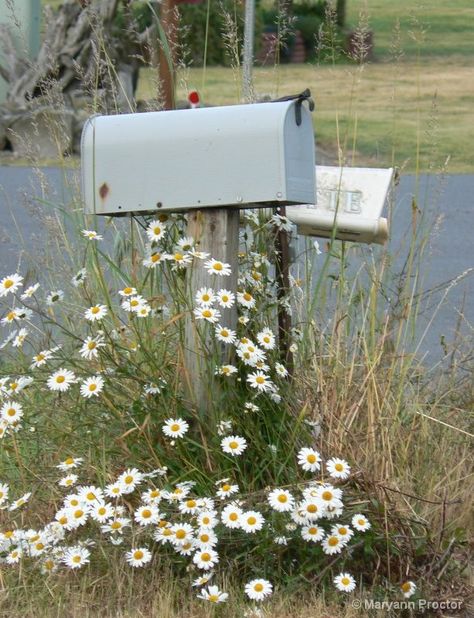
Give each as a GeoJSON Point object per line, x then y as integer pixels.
{"type": "Point", "coordinates": [241, 155]}
{"type": "Point", "coordinates": [349, 199]}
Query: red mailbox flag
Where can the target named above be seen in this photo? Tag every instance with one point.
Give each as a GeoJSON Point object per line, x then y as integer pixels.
{"type": "Point", "coordinates": [193, 98]}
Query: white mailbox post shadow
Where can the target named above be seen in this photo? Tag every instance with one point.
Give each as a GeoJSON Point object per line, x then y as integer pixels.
{"type": "Point", "coordinates": [211, 162]}
{"type": "Point", "coordinates": [208, 163]}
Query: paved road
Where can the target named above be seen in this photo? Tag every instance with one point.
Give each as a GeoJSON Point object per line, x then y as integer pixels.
{"type": "Point", "coordinates": [449, 202]}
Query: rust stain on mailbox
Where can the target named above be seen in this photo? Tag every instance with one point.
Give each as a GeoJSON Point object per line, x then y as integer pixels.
{"type": "Point", "coordinates": [104, 190]}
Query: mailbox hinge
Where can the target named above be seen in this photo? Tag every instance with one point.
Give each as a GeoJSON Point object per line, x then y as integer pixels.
{"type": "Point", "coordinates": [299, 98]}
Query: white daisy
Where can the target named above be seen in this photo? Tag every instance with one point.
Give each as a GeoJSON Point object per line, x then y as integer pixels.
{"type": "Point", "coordinates": [10, 284]}
{"type": "Point", "coordinates": [54, 297]}
{"type": "Point", "coordinates": [281, 500]}
{"type": "Point", "coordinates": [360, 522]}
{"type": "Point", "coordinates": [224, 334]}
{"type": "Point", "coordinates": [68, 481]}
{"type": "Point", "coordinates": [332, 544]}
{"type": "Point", "coordinates": [19, 340]}
{"type": "Point", "coordinates": [181, 260]}
{"type": "Point", "coordinates": [233, 445]}
{"type": "Point", "coordinates": [186, 243]}
{"type": "Point", "coordinates": [344, 532]}
{"type": "Point", "coordinates": [329, 496]}
{"type": "Point", "coordinates": [116, 525]}
{"type": "Point", "coordinates": [70, 463]}
{"type": "Point", "coordinates": [181, 533]}
{"type": "Point", "coordinates": [203, 580]}
{"type": "Point", "coordinates": [206, 520]}
{"type": "Point", "coordinates": [146, 515]}
{"type": "Point", "coordinates": [205, 559]}
{"type": "Point", "coordinates": [266, 339]}
{"type": "Point", "coordinates": [408, 588]}
{"type": "Point", "coordinates": [216, 267]}
{"type": "Point", "coordinates": [175, 428]}
{"type": "Point", "coordinates": [312, 533]}
{"type": "Point", "coordinates": [76, 557]}
{"type": "Point", "coordinates": [92, 387]}
{"type": "Point", "coordinates": [213, 595]}
{"type": "Point", "coordinates": [154, 258]}
{"type": "Point", "coordinates": [226, 370]}
{"type": "Point", "coordinates": [281, 370]}
{"type": "Point", "coordinates": [79, 278]}
{"type": "Point", "coordinates": [127, 291]}
{"type": "Point", "coordinates": [344, 582]}
{"type": "Point", "coordinates": [205, 297]}
{"type": "Point", "coordinates": [231, 516]}
{"type": "Point", "coordinates": [92, 235]}
{"type": "Point", "coordinates": [101, 512]}
{"type": "Point", "coordinates": [225, 298]}
{"type": "Point", "coordinates": [260, 381]}
{"type": "Point", "coordinates": [130, 479]}
{"type": "Point", "coordinates": [30, 291]}
{"type": "Point", "coordinates": [90, 347]}
{"type": "Point", "coordinates": [226, 489]}
{"type": "Point", "coordinates": [61, 380]}
{"type": "Point", "coordinates": [155, 230]}
{"type": "Point", "coordinates": [311, 509]}
{"type": "Point", "coordinates": [258, 589]}
{"type": "Point", "coordinates": [309, 459]}
{"type": "Point", "coordinates": [96, 313]}
{"type": "Point", "coordinates": [246, 300]}
{"type": "Point", "coordinates": [338, 468]}
{"type": "Point", "coordinates": [138, 557]}
{"type": "Point", "coordinates": [252, 521]}
{"type": "Point", "coordinates": [11, 412]}
{"type": "Point", "coordinates": [4, 489]}
{"type": "Point", "coordinates": [207, 313]}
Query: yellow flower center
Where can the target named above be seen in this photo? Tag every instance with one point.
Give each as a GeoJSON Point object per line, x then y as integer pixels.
{"type": "Point", "coordinates": [40, 357]}
{"type": "Point", "coordinates": [127, 290]}
{"type": "Point", "coordinates": [258, 587]}
{"type": "Point", "coordinates": [206, 520]}
{"type": "Point", "coordinates": [11, 411]}
{"type": "Point", "coordinates": [115, 525]}
{"type": "Point", "coordinates": [95, 310]}
{"type": "Point", "coordinates": [48, 565]}
{"type": "Point", "coordinates": [13, 386]}
{"type": "Point", "coordinates": [361, 522]}
{"type": "Point", "coordinates": [205, 557]}
{"type": "Point", "coordinates": [217, 266]}
{"type": "Point", "coordinates": [224, 332]}
{"type": "Point", "coordinates": [282, 498]}
{"type": "Point", "coordinates": [247, 296]}
{"type": "Point", "coordinates": [63, 520]}
{"type": "Point", "coordinates": [233, 445]}
{"type": "Point", "coordinates": [11, 316]}
{"type": "Point", "coordinates": [8, 284]}
{"type": "Point", "coordinates": [333, 541]}
{"type": "Point", "coordinates": [155, 257]}
{"type": "Point", "coordinates": [167, 532]}
{"type": "Point", "coordinates": [74, 502]}
{"type": "Point", "coordinates": [204, 538]}
{"type": "Point", "coordinates": [213, 598]}
{"type": "Point", "coordinates": [78, 514]}
{"type": "Point", "coordinates": [60, 379]}
{"type": "Point", "coordinates": [342, 531]}
{"type": "Point", "coordinates": [91, 345]}
{"type": "Point", "coordinates": [406, 587]}
{"type": "Point", "coordinates": [206, 313]}
{"type": "Point", "coordinates": [138, 554]}
{"type": "Point", "coordinates": [178, 256]}
{"type": "Point", "coordinates": [191, 504]}
{"type": "Point", "coordinates": [233, 517]}
{"type": "Point", "coordinates": [345, 581]}
{"type": "Point", "coordinates": [69, 461]}
{"type": "Point", "coordinates": [76, 559]}
{"type": "Point", "coordinates": [8, 534]}
{"type": "Point", "coordinates": [312, 508]}
{"type": "Point", "coordinates": [339, 467]}
{"type": "Point", "coordinates": [102, 510]}
{"type": "Point", "coordinates": [313, 531]}
{"type": "Point", "coordinates": [92, 387]}
{"type": "Point", "coordinates": [157, 230]}
{"type": "Point", "coordinates": [39, 546]}
{"type": "Point", "coordinates": [206, 297]}
{"type": "Point", "coordinates": [180, 534]}
{"type": "Point", "coordinates": [311, 459]}
{"type": "Point", "coordinates": [175, 427]}
{"type": "Point", "coordinates": [129, 479]}
{"type": "Point", "coordinates": [225, 487]}
{"type": "Point", "coordinates": [326, 495]}
{"type": "Point", "coordinates": [251, 520]}
{"type": "Point", "coordinates": [225, 298]}
{"type": "Point", "coordinates": [260, 380]}
{"type": "Point", "coordinates": [146, 513]}
{"type": "Point", "coordinates": [134, 303]}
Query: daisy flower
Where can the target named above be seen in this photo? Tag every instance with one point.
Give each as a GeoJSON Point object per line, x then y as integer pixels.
{"type": "Point", "coordinates": [186, 243]}
{"type": "Point", "coordinates": [155, 231]}
{"type": "Point", "coordinates": [312, 533]}
{"type": "Point", "coordinates": [29, 292]}
{"type": "Point", "coordinates": [92, 235]}
{"type": "Point", "coordinates": [152, 496]}
{"type": "Point", "coordinates": [101, 512]}
{"type": "Point", "coordinates": [205, 519]}
{"type": "Point", "coordinates": [246, 300]}
{"type": "Point", "coordinates": [232, 516]}
{"type": "Point", "coordinates": [205, 297]}
{"type": "Point", "coordinates": [146, 515]}
{"type": "Point", "coordinates": [61, 380]}
{"type": "Point", "coordinates": [408, 588]}
{"type": "Point", "coordinates": [130, 479]}
{"type": "Point", "coordinates": [133, 303]}
{"type": "Point", "coordinates": [181, 260]}
{"type": "Point", "coordinates": [233, 445]}
{"type": "Point", "coordinates": [76, 557]}
{"type": "Point", "coordinates": [175, 428]}
{"type": "Point", "coordinates": [360, 522]}
{"type": "Point", "coordinates": [226, 489]}
{"type": "Point", "coordinates": [226, 370]}
{"type": "Point", "coordinates": [116, 525]}
{"type": "Point", "coordinates": [281, 370]}
{"type": "Point", "coordinates": [344, 532]}
{"type": "Point", "coordinates": [96, 313]}
{"type": "Point", "coordinates": [258, 589]}
{"type": "Point", "coordinates": [4, 489]}
{"type": "Point", "coordinates": [10, 284]}
{"type": "Point", "coordinates": [344, 582]}
{"type": "Point", "coordinates": [79, 278]}
{"type": "Point", "coordinates": [92, 387]}
{"type": "Point", "coordinates": [206, 538]}
{"type": "Point", "coordinates": [252, 521]}
{"type": "Point", "coordinates": [91, 494]}
{"type": "Point", "coordinates": [225, 298]}
{"type": "Point", "coordinates": [311, 509]}
{"type": "Point", "coordinates": [332, 544]}
{"type": "Point", "coordinates": [329, 496]}
{"type": "Point", "coordinates": [127, 291]}
{"type": "Point", "coordinates": [154, 258]}
{"type": "Point", "coordinates": [309, 459]}
{"type": "Point", "coordinates": [213, 594]}
{"type": "Point", "coordinates": [189, 506]}
{"type": "Point", "coordinates": [205, 559]}
{"type": "Point", "coordinates": [70, 463]}
{"type": "Point", "coordinates": [207, 313]}
{"type": "Point", "coordinates": [68, 481]}
{"type": "Point", "coordinates": [226, 335]}
{"type": "Point", "coordinates": [203, 580]}
{"type": "Point", "coordinates": [54, 297]}
{"type": "Point", "coordinates": [11, 412]}
{"type": "Point", "coordinates": [215, 267]}
{"type": "Point", "coordinates": [260, 381]}
{"type": "Point", "coordinates": [338, 468]}
{"type": "Point", "coordinates": [281, 500]}
{"type": "Point", "coordinates": [266, 339]}
{"type": "Point", "coordinates": [90, 347]}
{"type": "Point", "coordinates": [138, 557]}
{"type": "Point", "coordinates": [19, 340]}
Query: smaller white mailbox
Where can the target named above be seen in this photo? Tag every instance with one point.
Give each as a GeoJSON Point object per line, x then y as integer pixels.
{"type": "Point", "coordinates": [241, 155]}
{"type": "Point", "coordinates": [349, 200]}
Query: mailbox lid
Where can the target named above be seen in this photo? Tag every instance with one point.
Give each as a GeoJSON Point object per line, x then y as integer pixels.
{"type": "Point", "coordinates": [185, 159]}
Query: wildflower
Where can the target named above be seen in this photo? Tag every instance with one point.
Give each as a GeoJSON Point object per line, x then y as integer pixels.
{"type": "Point", "coordinates": [225, 298]}
{"type": "Point", "coordinates": [127, 291]}
{"type": "Point", "coordinates": [281, 222]}
{"type": "Point", "coordinates": [250, 407]}
{"type": "Point", "coordinates": [206, 520]}
{"type": "Point", "coordinates": [180, 260]}
{"type": "Point", "coordinates": [152, 496]}
{"type": "Point", "coordinates": [138, 557]}
{"type": "Point", "coordinates": [92, 235]}
{"type": "Point", "coordinates": [311, 509]}
{"type": "Point", "coordinates": [29, 292]}
{"type": "Point", "coordinates": [133, 303]}
{"type": "Point", "coordinates": [14, 556]}
{"type": "Point", "coordinates": [260, 381]}
{"type": "Point", "coordinates": [4, 489]}
{"type": "Point", "coordinates": [10, 284]}
{"type": "Point", "coordinates": [408, 588]}
{"type": "Point", "coordinates": [76, 557]}
{"type": "Point", "coordinates": [258, 589]}
{"type": "Point", "coordinates": [96, 313]}
{"type": "Point", "coordinates": [266, 339]}
{"type": "Point", "coordinates": [281, 370]}
{"type": "Point", "coordinates": [281, 540]}
{"type": "Point", "coordinates": [338, 468]}
{"type": "Point", "coordinates": [281, 500]}
{"type": "Point", "coordinates": [181, 533]}
{"type": "Point", "coordinates": [344, 532]}
{"type": "Point", "coordinates": [69, 463]}
{"type": "Point", "coordinates": [155, 231]}
{"type": "Point", "coordinates": [205, 538]}
{"type": "Point", "coordinates": [11, 412]}
{"type": "Point", "coordinates": [203, 580]}
{"type": "Point", "coordinates": [19, 340]}
{"type": "Point", "coordinates": [91, 494]}
{"type": "Point", "coordinates": [101, 512]}
{"type": "Point", "coordinates": [309, 459]}
{"type": "Point", "coordinates": [312, 533]}
{"type": "Point", "coordinates": [207, 313]}
{"type": "Point", "coordinates": [234, 445]}
{"type": "Point", "coordinates": [246, 300]}
{"type": "Point", "coordinates": [329, 496]}
{"type": "Point", "coordinates": [77, 517]}
{"type": "Point", "coordinates": [114, 490]}
{"type": "Point", "coordinates": [252, 521]}
{"type": "Point", "coordinates": [186, 243]}
{"type": "Point", "coordinates": [92, 387]}
{"type": "Point", "coordinates": [360, 522]}
{"type": "Point", "coordinates": [146, 515]}
{"type": "Point", "coordinates": [79, 278]}
{"type": "Point", "coordinates": [232, 516]}
{"type": "Point", "coordinates": [68, 481]}
{"type": "Point", "coordinates": [226, 335]}
{"type": "Point", "coordinates": [224, 426]}
{"type": "Point", "coordinates": [332, 544]}
{"type": "Point", "coordinates": [90, 347]}
{"type": "Point", "coordinates": [205, 559]}
{"type": "Point", "coordinates": [154, 258]}
{"type": "Point", "coordinates": [116, 525]}
{"type": "Point", "coordinates": [344, 582]}
{"type": "Point", "coordinates": [226, 489]}
{"type": "Point", "coordinates": [54, 297]}
{"type": "Point", "coordinates": [61, 380]}
{"type": "Point", "coordinates": [49, 565]}
{"type": "Point", "coordinates": [130, 479]}
{"type": "Point", "coordinates": [226, 370]}
{"type": "Point", "coordinates": [213, 594]}
{"type": "Point", "coordinates": [215, 267]}
{"type": "Point", "coordinates": [175, 428]}
{"type": "Point", "coordinates": [189, 506]}
{"type": "Point", "coordinates": [205, 297]}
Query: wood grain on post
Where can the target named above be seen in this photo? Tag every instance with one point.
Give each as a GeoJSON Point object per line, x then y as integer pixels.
{"type": "Point", "coordinates": [215, 231]}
